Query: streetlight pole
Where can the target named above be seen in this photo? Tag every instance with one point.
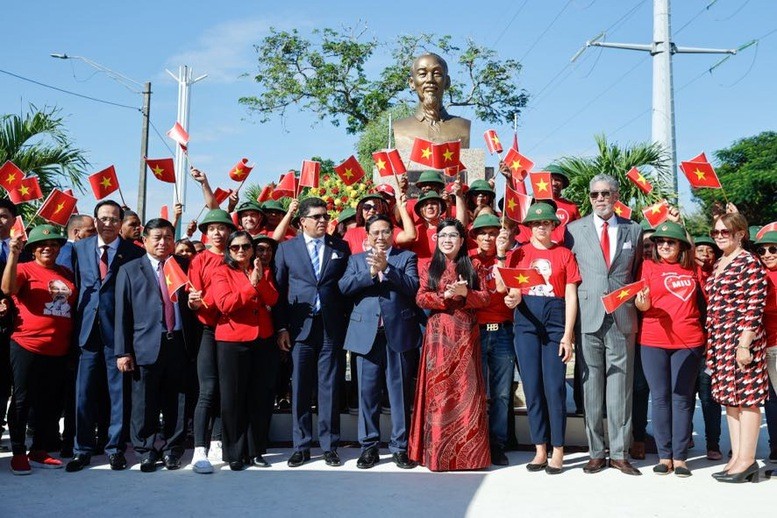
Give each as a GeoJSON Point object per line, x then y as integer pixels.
{"type": "Point", "coordinates": [145, 111]}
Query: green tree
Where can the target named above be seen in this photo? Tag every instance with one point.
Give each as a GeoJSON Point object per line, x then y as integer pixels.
{"type": "Point", "coordinates": [748, 173]}
{"type": "Point", "coordinates": [375, 134]}
{"type": "Point", "coordinates": [616, 161]}
{"type": "Point", "coordinates": [331, 75]}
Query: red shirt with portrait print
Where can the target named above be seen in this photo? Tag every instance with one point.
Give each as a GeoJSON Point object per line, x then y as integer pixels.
{"type": "Point", "coordinates": [556, 264]}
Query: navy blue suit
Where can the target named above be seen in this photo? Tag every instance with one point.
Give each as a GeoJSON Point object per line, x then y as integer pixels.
{"type": "Point", "coordinates": [65, 256]}
{"type": "Point", "coordinates": [94, 320]}
{"type": "Point", "coordinates": [317, 339]}
{"type": "Point", "coordinates": [381, 349]}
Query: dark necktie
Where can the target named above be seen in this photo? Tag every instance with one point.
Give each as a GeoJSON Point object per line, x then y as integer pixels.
{"type": "Point", "coordinates": [104, 263]}
{"type": "Point", "coordinates": [606, 244]}
{"type": "Point", "coordinates": [168, 311]}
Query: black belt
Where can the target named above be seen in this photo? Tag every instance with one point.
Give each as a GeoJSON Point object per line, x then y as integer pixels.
{"type": "Point", "coordinates": [496, 326]}
{"type": "Point", "coordinates": [169, 335]}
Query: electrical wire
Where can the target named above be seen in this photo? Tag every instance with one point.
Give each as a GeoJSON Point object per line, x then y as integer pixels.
{"type": "Point", "coordinates": [520, 8]}
{"type": "Point", "coordinates": [536, 41]}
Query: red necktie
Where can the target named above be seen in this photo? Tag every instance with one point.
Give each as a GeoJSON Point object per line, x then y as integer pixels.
{"type": "Point", "coordinates": [104, 262]}
{"type": "Point", "coordinates": [168, 311]}
{"type": "Point", "coordinates": [606, 244]}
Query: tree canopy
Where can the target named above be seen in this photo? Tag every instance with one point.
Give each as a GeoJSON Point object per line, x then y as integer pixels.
{"type": "Point", "coordinates": [339, 75]}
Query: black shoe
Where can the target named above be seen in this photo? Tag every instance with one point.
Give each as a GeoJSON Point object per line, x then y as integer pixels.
{"type": "Point", "coordinates": [550, 470]}
{"type": "Point", "coordinates": [662, 469]}
{"type": "Point", "coordinates": [719, 474]}
{"type": "Point", "coordinates": [66, 452]}
{"type": "Point", "coordinates": [172, 461]}
{"type": "Point", "coordinates": [368, 458]}
{"type": "Point", "coordinates": [117, 461]}
{"type": "Point", "coordinates": [537, 467]}
{"type": "Point", "coordinates": [401, 459]}
{"type": "Point", "coordinates": [259, 462]}
{"type": "Point", "coordinates": [237, 465]}
{"type": "Point", "coordinates": [748, 475]}
{"type": "Point", "coordinates": [148, 465]}
{"type": "Point", "coordinates": [79, 462]}
{"type": "Point", "coordinates": [298, 458]}
{"type": "Point", "coordinates": [498, 457]}
{"type": "Point", "coordinates": [332, 458]}
{"type": "Point", "coordinates": [682, 472]}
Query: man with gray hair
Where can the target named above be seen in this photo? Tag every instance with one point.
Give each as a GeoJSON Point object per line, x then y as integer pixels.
{"type": "Point", "coordinates": [608, 249]}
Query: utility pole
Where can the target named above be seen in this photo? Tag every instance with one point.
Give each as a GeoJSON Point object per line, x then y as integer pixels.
{"type": "Point", "coordinates": [662, 49]}
{"type": "Point", "coordinates": [145, 112]}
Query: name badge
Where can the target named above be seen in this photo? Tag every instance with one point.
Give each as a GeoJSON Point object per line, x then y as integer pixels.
{"type": "Point", "coordinates": [627, 245]}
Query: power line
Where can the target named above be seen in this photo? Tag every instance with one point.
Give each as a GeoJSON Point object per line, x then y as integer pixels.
{"type": "Point", "coordinates": [509, 23]}
{"type": "Point", "coordinates": [161, 137]}
{"type": "Point", "coordinates": [68, 91]}
{"type": "Point", "coordinates": [536, 41]}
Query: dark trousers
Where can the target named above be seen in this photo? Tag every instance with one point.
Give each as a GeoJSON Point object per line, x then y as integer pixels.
{"type": "Point", "coordinates": [160, 387]}
{"type": "Point", "coordinates": [97, 377]}
{"type": "Point", "coordinates": [207, 415]}
{"type": "Point", "coordinates": [384, 367]}
{"type": "Point", "coordinates": [5, 374]}
{"type": "Point", "coordinates": [710, 409]}
{"type": "Point", "coordinates": [498, 353]}
{"type": "Point", "coordinates": [317, 358]}
{"type": "Point", "coordinates": [37, 381]}
{"type": "Point", "coordinates": [539, 326]}
{"type": "Point", "coordinates": [770, 410]}
{"type": "Point", "coordinates": [641, 397]}
{"type": "Point", "coordinates": [246, 380]}
{"type": "Point", "coordinates": [671, 375]}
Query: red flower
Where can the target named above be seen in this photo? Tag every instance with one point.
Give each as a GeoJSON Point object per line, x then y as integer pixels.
{"type": "Point", "coordinates": [330, 200]}
{"type": "Point", "coordinates": [326, 178]}
{"type": "Point", "coordinates": [335, 190]}
{"type": "Point", "coordinates": [344, 199]}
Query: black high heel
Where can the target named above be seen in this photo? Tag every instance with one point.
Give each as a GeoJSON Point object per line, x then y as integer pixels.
{"type": "Point", "coordinates": [719, 474]}
{"type": "Point", "coordinates": [748, 475]}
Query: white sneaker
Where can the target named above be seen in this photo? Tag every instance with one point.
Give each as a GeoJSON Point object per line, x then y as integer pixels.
{"type": "Point", "coordinates": [200, 462]}
{"type": "Point", "coordinates": [215, 454]}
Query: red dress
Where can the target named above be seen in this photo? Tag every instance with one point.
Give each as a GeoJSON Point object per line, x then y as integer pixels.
{"type": "Point", "coordinates": [449, 430]}
{"type": "Point", "coordinates": [737, 297]}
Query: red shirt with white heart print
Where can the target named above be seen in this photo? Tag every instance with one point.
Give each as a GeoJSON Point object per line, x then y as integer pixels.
{"type": "Point", "coordinates": [673, 320]}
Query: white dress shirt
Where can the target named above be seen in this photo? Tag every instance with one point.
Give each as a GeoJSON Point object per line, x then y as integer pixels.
{"type": "Point", "coordinates": [612, 230]}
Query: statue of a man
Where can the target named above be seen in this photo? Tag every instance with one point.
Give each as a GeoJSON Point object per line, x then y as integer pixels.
{"type": "Point", "coordinates": [429, 78]}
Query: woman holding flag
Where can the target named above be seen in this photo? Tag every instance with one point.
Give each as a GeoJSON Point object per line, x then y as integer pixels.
{"type": "Point", "coordinates": [545, 312]}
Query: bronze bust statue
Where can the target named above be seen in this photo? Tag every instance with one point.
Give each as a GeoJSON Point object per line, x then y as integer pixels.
{"type": "Point", "coordinates": [429, 79]}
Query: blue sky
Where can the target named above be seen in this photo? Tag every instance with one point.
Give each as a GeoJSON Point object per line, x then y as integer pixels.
{"type": "Point", "coordinates": [606, 91]}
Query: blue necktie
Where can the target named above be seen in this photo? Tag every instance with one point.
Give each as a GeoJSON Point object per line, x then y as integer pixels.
{"type": "Point", "coordinates": [316, 269]}
{"type": "Point", "coordinates": [3, 251]}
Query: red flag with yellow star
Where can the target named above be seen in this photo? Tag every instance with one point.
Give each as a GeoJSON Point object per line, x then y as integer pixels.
{"type": "Point", "coordinates": [221, 195]}
{"type": "Point", "coordinates": [618, 297]}
{"type": "Point", "coordinates": [241, 170]}
{"type": "Point", "coordinates": [18, 228]}
{"type": "Point", "coordinates": [637, 179]}
{"type": "Point", "coordinates": [397, 165]}
{"type": "Point", "coordinates": [174, 277]}
{"type": "Point", "coordinates": [163, 169]}
{"type": "Point", "coordinates": [540, 185]}
{"type": "Point", "coordinates": [382, 163]}
{"type": "Point", "coordinates": [266, 193]}
{"type": "Point", "coordinates": [493, 143]}
{"type": "Point", "coordinates": [516, 204]}
{"type": "Point", "coordinates": [422, 152]}
{"type": "Point", "coordinates": [57, 208]}
{"type": "Point", "coordinates": [69, 192]}
{"type": "Point", "coordinates": [104, 182]}
{"type": "Point", "coordinates": [519, 165]}
{"type": "Point", "coordinates": [446, 154]}
{"type": "Point", "coordinates": [519, 278]}
{"type": "Point", "coordinates": [10, 176]}
{"type": "Point", "coordinates": [287, 186]}
{"type": "Point", "coordinates": [622, 210]}
{"type": "Point", "coordinates": [350, 171]}
{"type": "Point", "coordinates": [308, 176]}
{"type": "Point", "coordinates": [27, 190]}
{"type": "Point", "coordinates": [656, 213]}
{"type": "Point", "coordinates": [701, 175]}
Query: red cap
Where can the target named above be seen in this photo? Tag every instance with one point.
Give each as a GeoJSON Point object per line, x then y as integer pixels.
{"type": "Point", "coordinates": [464, 188]}
{"type": "Point", "coordinates": [386, 188]}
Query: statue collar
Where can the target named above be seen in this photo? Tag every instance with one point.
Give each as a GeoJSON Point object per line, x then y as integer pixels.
{"type": "Point", "coordinates": [421, 116]}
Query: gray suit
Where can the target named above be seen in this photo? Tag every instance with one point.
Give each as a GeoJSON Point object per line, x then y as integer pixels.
{"type": "Point", "coordinates": [606, 341]}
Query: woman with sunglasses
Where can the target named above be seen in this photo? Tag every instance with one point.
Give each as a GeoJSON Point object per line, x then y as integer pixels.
{"type": "Point", "coordinates": [766, 248]}
{"type": "Point", "coordinates": [671, 340]}
{"type": "Point", "coordinates": [371, 205]}
{"type": "Point", "coordinates": [736, 294]}
{"type": "Point", "coordinates": [449, 428]}
{"type": "Point", "coordinates": [244, 292]}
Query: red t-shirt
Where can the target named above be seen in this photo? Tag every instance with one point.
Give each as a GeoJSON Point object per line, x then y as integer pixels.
{"type": "Point", "coordinates": [556, 264]}
{"type": "Point", "coordinates": [356, 238]}
{"type": "Point", "coordinates": [200, 274]}
{"type": "Point", "coordinates": [673, 320]}
{"type": "Point", "coordinates": [424, 245]}
{"type": "Point", "coordinates": [567, 212]}
{"type": "Point", "coordinates": [46, 302]}
{"type": "Point", "coordinates": [770, 312]}
{"type": "Point", "coordinates": [496, 312]}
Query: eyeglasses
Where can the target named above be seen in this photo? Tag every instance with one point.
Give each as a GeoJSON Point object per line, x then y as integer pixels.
{"type": "Point", "coordinates": [244, 247]}
{"type": "Point", "coordinates": [763, 249]}
{"type": "Point", "coordinates": [450, 235]}
{"type": "Point", "coordinates": [668, 242]}
{"type": "Point", "coordinates": [107, 220]}
{"type": "Point", "coordinates": [604, 194]}
{"type": "Point", "coordinates": [325, 216]}
{"type": "Point", "coordinates": [722, 233]}
{"type": "Point", "coordinates": [369, 206]}
{"type": "Point", "coordinates": [378, 233]}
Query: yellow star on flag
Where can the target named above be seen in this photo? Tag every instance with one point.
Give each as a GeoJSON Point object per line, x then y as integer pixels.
{"type": "Point", "coordinates": [641, 179]}
{"type": "Point", "coordinates": [426, 153]}
{"type": "Point", "coordinates": [495, 140]}
{"type": "Point", "coordinates": [542, 185]}
{"type": "Point", "coordinates": [448, 155]}
{"type": "Point", "coordinates": [522, 279]}
{"type": "Point", "coordinates": [381, 165]}
{"type": "Point", "coordinates": [618, 211]}
{"type": "Point", "coordinates": [11, 177]}
{"type": "Point", "coordinates": [516, 165]}
{"type": "Point", "coordinates": [105, 182]}
{"type": "Point", "coordinates": [623, 294]}
{"type": "Point", "coordinates": [238, 171]}
{"type": "Point", "coordinates": [168, 281]}
{"type": "Point", "coordinates": [24, 190]}
{"type": "Point", "coordinates": [348, 173]}
{"type": "Point", "coordinates": [511, 204]}
{"type": "Point", "coordinates": [158, 171]}
{"type": "Point", "coordinates": [699, 174]}
{"type": "Point", "coordinates": [655, 209]}
{"type": "Point", "coordinates": [59, 207]}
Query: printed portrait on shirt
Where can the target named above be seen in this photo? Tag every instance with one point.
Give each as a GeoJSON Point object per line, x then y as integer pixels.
{"type": "Point", "coordinates": [59, 306]}
{"type": "Point", "coordinates": [545, 269]}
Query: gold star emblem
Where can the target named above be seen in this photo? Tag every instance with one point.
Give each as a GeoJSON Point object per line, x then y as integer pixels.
{"type": "Point", "coordinates": [618, 211]}
{"type": "Point", "coordinates": [448, 155]}
{"type": "Point", "coordinates": [238, 172]}
{"type": "Point", "coordinates": [538, 211]}
{"type": "Point", "coordinates": [10, 178]}
{"type": "Point", "coordinates": [699, 174]}
{"type": "Point", "coordinates": [105, 182]}
{"type": "Point", "coordinates": [348, 173]}
{"type": "Point", "coordinates": [495, 139]}
{"type": "Point", "coordinates": [516, 165]}
{"type": "Point", "coordinates": [655, 209]}
{"type": "Point", "coordinates": [158, 171]}
{"type": "Point", "coordinates": [542, 185]}
{"type": "Point", "coordinates": [59, 207]}
{"type": "Point", "coordinates": [45, 232]}
{"type": "Point", "coordinates": [623, 294]}
{"type": "Point", "coordinates": [426, 153]}
{"type": "Point", "coordinates": [168, 281]}
{"type": "Point", "coordinates": [641, 179]}
{"type": "Point", "coordinates": [522, 279]}
{"type": "Point", "coordinates": [24, 190]}
{"type": "Point", "coordinates": [511, 204]}
{"type": "Point", "coordinates": [664, 227]}
{"type": "Point", "coordinates": [381, 164]}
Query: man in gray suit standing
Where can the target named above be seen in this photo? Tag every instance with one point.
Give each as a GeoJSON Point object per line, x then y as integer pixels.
{"type": "Point", "coordinates": [608, 250]}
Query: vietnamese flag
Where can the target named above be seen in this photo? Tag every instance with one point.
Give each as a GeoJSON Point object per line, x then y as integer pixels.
{"type": "Point", "coordinates": [163, 169]}
{"type": "Point", "coordinates": [540, 185]}
{"type": "Point", "coordinates": [771, 227]}
{"type": "Point", "coordinates": [519, 165]}
{"type": "Point", "coordinates": [27, 190]}
{"type": "Point", "coordinates": [10, 176]}
{"type": "Point", "coordinates": [57, 208]}
{"type": "Point", "coordinates": [287, 186]}
{"type": "Point", "coordinates": [519, 278]}
{"type": "Point", "coordinates": [618, 297]}
{"type": "Point", "coordinates": [446, 154]}
{"type": "Point", "coordinates": [164, 212]}
{"type": "Point", "coordinates": [174, 277]}
{"type": "Point", "coordinates": [637, 179]}
{"type": "Point", "coordinates": [240, 172]}
{"type": "Point", "coordinates": [382, 163]}
{"type": "Point", "coordinates": [180, 135]}
{"type": "Point", "coordinates": [104, 182]}
{"type": "Point", "coordinates": [701, 157]}
{"type": "Point", "coordinates": [493, 143]}
{"type": "Point", "coordinates": [18, 228]}
{"type": "Point", "coordinates": [69, 192]}
{"type": "Point", "coordinates": [656, 213]}
{"type": "Point", "coordinates": [266, 193]}
{"type": "Point", "coordinates": [453, 170]}
{"type": "Point", "coordinates": [422, 152]}
{"type": "Point", "coordinates": [309, 173]}
{"type": "Point", "coordinates": [220, 195]}
{"type": "Point", "coordinates": [701, 175]}
{"type": "Point", "coordinates": [516, 204]}
{"type": "Point", "coordinates": [397, 165]}
{"type": "Point", "coordinates": [350, 171]}
{"type": "Point", "coordinates": [622, 210]}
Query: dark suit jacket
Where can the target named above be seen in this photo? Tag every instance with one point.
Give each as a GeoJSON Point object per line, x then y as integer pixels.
{"type": "Point", "coordinates": [64, 258]}
{"type": "Point", "coordinates": [139, 313]}
{"type": "Point", "coordinates": [393, 298]}
{"type": "Point", "coordinates": [297, 287]}
{"type": "Point", "coordinates": [96, 298]}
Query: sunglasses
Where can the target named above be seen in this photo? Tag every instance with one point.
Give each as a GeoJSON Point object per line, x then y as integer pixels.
{"type": "Point", "coordinates": [325, 216]}
{"type": "Point", "coordinates": [763, 249]}
{"type": "Point", "coordinates": [722, 233]}
{"type": "Point", "coordinates": [669, 242]}
{"type": "Point", "coordinates": [244, 247]}
{"type": "Point", "coordinates": [369, 206]}
{"type": "Point", "coordinates": [595, 194]}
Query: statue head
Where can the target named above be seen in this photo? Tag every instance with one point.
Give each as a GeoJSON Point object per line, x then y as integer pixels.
{"type": "Point", "coordinates": [429, 78]}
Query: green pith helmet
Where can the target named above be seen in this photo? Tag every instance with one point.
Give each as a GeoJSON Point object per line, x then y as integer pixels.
{"type": "Point", "coordinates": [249, 205]}
{"type": "Point", "coordinates": [554, 169]}
{"type": "Point", "coordinates": [273, 205]}
{"type": "Point", "coordinates": [753, 231]}
{"type": "Point", "coordinates": [45, 232]}
{"type": "Point", "coordinates": [371, 196]}
{"type": "Point", "coordinates": [216, 216]}
{"type": "Point", "coordinates": [431, 177]}
{"type": "Point", "coordinates": [264, 237]}
{"type": "Point", "coordinates": [346, 214]}
{"type": "Point", "coordinates": [768, 238]}
{"type": "Point", "coordinates": [480, 186]}
{"type": "Point", "coordinates": [645, 224]}
{"type": "Point", "coordinates": [429, 196]}
{"type": "Point", "coordinates": [670, 230]}
{"type": "Point", "coordinates": [541, 212]}
{"type": "Point", "coordinates": [485, 221]}
{"type": "Point", "coordinates": [704, 240]}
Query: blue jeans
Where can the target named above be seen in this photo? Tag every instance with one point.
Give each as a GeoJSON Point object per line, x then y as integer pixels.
{"type": "Point", "coordinates": [498, 365]}
{"type": "Point", "coordinates": [709, 407]}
